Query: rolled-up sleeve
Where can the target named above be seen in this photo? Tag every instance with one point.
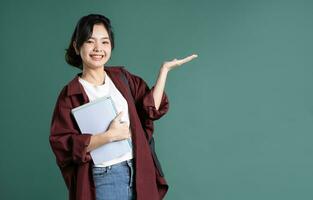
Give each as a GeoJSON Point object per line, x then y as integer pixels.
{"type": "Point", "coordinates": [149, 105]}
{"type": "Point", "coordinates": [67, 143]}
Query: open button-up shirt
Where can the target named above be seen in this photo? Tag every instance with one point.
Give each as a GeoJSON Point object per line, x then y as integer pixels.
{"type": "Point", "coordinates": [69, 144]}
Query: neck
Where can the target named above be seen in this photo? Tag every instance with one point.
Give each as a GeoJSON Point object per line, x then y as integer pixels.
{"type": "Point", "coordinates": [94, 76]}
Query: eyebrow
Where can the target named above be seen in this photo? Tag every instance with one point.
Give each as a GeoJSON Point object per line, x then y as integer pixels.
{"type": "Point", "coordinates": [100, 38]}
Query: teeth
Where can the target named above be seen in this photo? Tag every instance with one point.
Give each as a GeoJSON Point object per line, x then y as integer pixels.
{"type": "Point", "coordinates": [96, 56]}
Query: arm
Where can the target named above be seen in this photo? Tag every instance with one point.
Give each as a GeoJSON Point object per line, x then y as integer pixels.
{"type": "Point", "coordinates": [160, 83]}
{"type": "Point", "coordinates": [68, 144]}
{"type": "Point", "coordinates": [159, 87]}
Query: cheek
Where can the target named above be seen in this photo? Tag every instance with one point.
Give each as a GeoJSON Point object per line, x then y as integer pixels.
{"type": "Point", "coordinates": [84, 52]}
{"type": "Point", "coordinates": [108, 47]}
{"type": "Point", "coordinates": [108, 50]}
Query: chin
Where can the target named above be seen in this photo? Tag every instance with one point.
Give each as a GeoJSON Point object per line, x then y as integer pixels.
{"type": "Point", "coordinates": [97, 65]}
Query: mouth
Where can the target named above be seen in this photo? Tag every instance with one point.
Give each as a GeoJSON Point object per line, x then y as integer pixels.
{"type": "Point", "coordinates": [96, 56]}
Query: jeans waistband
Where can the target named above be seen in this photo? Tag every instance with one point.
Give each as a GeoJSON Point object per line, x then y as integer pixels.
{"type": "Point", "coordinates": [126, 162]}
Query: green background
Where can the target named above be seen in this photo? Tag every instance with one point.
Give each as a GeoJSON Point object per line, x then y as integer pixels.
{"type": "Point", "coordinates": [240, 120]}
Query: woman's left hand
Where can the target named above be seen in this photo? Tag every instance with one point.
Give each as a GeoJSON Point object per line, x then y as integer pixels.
{"type": "Point", "coordinates": [169, 65]}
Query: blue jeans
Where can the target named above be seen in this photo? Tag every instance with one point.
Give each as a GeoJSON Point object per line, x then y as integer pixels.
{"type": "Point", "coordinates": [115, 182]}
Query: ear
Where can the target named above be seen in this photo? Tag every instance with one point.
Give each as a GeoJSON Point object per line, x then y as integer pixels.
{"type": "Point", "coordinates": [75, 47]}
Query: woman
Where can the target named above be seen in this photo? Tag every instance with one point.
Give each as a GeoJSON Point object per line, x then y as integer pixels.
{"type": "Point", "coordinates": [133, 175]}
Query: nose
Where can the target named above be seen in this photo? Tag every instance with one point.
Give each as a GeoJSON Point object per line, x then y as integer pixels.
{"type": "Point", "coordinates": [97, 47]}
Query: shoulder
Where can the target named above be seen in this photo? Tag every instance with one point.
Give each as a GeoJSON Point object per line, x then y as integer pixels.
{"type": "Point", "coordinates": [63, 99]}
{"type": "Point", "coordinates": [72, 87]}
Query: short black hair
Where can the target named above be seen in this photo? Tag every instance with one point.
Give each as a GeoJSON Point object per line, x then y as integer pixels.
{"type": "Point", "coordinates": [82, 33]}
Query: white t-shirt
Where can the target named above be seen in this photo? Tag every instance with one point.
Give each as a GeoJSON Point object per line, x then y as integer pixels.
{"type": "Point", "coordinates": [108, 89]}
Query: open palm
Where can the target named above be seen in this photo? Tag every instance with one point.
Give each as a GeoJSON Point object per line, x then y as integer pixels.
{"type": "Point", "coordinates": [178, 62]}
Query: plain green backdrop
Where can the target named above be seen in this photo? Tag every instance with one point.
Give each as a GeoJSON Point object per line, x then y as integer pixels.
{"type": "Point", "coordinates": [241, 115]}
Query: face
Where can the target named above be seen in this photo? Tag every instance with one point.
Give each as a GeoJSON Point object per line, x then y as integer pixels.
{"type": "Point", "coordinates": [96, 51]}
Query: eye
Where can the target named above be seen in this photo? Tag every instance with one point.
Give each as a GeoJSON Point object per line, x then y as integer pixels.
{"type": "Point", "coordinates": [89, 41]}
{"type": "Point", "coordinates": [105, 42]}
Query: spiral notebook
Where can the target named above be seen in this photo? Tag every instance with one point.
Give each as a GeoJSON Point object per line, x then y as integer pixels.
{"type": "Point", "coordinates": [95, 117]}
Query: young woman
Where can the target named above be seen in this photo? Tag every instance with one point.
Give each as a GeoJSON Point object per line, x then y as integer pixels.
{"type": "Point", "coordinates": [135, 174]}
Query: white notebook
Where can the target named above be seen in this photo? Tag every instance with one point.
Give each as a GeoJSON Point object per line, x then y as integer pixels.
{"type": "Point", "coordinates": [95, 117]}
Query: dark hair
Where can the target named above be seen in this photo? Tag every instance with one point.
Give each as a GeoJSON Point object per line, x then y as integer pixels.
{"type": "Point", "coordinates": [82, 33]}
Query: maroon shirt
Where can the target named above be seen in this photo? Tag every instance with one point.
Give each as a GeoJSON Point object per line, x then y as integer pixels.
{"type": "Point", "coordinates": [69, 144]}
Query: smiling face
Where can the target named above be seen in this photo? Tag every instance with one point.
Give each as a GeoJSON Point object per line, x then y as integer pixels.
{"type": "Point", "coordinates": [96, 51]}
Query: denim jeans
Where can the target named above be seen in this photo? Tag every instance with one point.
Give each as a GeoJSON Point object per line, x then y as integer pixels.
{"type": "Point", "coordinates": [115, 182]}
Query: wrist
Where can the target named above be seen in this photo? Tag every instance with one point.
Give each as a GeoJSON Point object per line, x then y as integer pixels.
{"type": "Point", "coordinates": [107, 137]}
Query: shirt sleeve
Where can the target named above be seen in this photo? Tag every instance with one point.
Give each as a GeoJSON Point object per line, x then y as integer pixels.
{"type": "Point", "coordinates": [67, 143]}
{"type": "Point", "coordinates": [143, 97]}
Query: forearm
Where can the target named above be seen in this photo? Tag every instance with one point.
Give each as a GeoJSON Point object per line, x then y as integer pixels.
{"type": "Point", "coordinates": [159, 87]}
{"type": "Point", "coordinates": [98, 140]}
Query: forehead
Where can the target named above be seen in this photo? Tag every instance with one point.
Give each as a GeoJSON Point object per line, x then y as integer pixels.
{"type": "Point", "coordinates": [99, 31]}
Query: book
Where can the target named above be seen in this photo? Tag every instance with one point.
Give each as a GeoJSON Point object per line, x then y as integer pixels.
{"type": "Point", "coordinates": [94, 118]}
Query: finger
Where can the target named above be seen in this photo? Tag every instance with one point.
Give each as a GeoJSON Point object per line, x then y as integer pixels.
{"type": "Point", "coordinates": [187, 59]}
{"type": "Point", "coordinates": [124, 125]}
{"type": "Point", "coordinates": [125, 135]}
{"type": "Point", "coordinates": [119, 116]}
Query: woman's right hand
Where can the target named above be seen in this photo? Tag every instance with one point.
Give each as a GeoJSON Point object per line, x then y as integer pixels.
{"type": "Point", "coordinates": [118, 130]}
